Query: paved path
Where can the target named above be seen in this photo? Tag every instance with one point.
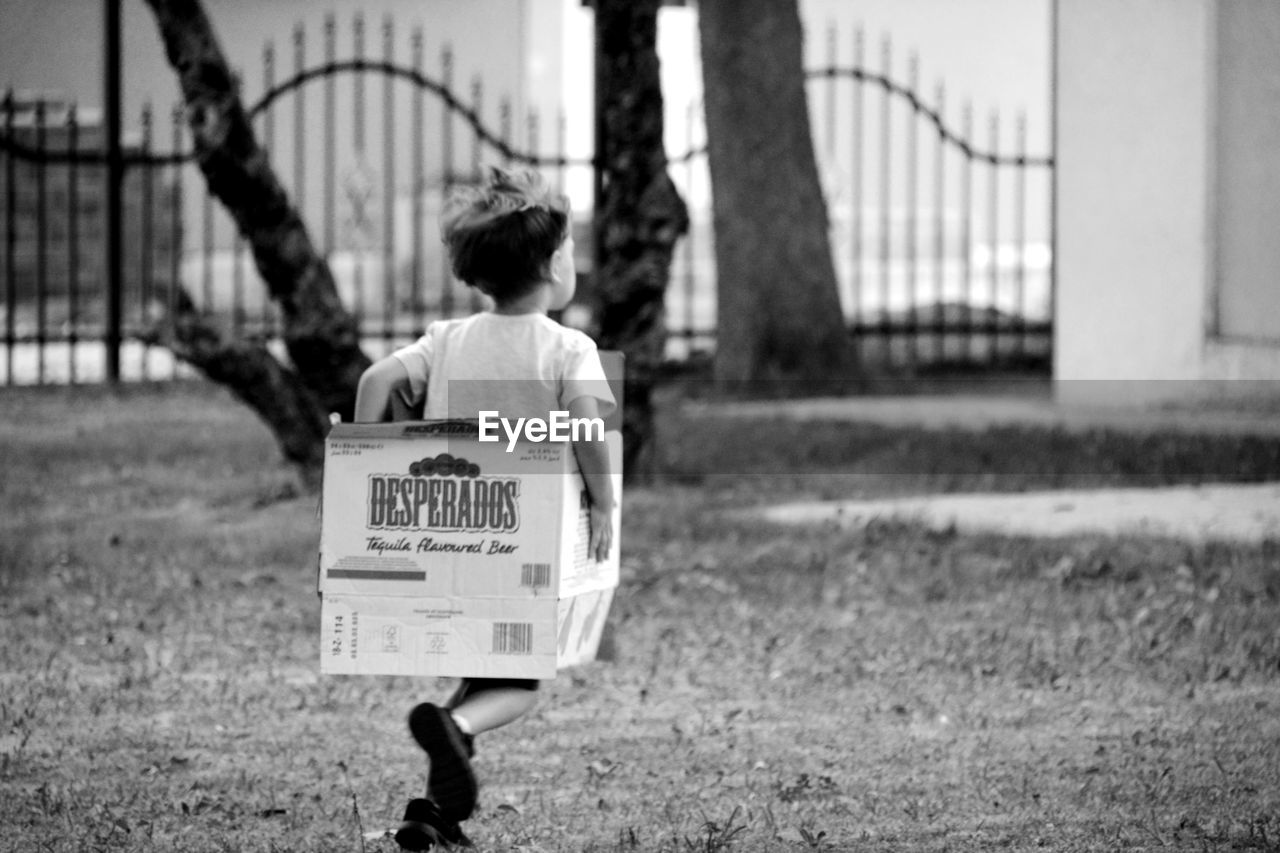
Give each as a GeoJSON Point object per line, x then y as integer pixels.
{"type": "Point", "coordinates": [1240, 513]}
{"type": "Point", "coordinates": [1244, 513]}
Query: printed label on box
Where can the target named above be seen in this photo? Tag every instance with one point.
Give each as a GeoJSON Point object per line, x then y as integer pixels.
{"type": "Point", "coordinates": [443, 555]}
{"type": "Point", "coordinates": [394, 635]}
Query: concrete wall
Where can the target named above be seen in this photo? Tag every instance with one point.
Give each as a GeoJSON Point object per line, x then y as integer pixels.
{"type": "Point", "coordinates": [1168, 153]}
{"type": "Point", "coordinates": [57, 47]}
{"type": "Point", "coordinates": [1247, 165]}
{"type": "Point", "coordinates": [1133, 92]}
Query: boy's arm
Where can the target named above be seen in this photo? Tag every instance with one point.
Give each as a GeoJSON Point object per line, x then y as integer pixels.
{"type": "Point", "coordinates": [593, 461]}
{"type": "Point", "coordinates": [382, 392]}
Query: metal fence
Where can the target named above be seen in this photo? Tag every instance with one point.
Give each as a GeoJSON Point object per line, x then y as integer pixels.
{"type": "Point", "coordinates": [942, 243]}
{"type": "Point", "coordinates": [944, 257]}
{"type": "Point", "coordinates": [932, 271]}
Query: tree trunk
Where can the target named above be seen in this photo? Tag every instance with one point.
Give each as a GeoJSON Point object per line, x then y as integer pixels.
{"type": "Point", "coordinates": [276, 394]}
{"type": "Point", "coordinates": [641, 215]}
{"type": "Point", "coordinates": [779, 315]}
{"type": "Point", "coordinates": [321, 337]}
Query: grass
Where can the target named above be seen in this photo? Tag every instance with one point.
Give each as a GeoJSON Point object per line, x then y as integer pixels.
{"type": "Point", "coordinates": [880, 689]}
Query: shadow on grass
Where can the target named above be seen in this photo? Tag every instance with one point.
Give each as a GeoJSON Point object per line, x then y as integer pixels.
{"type": "Point", "coordinates": [774, 458]}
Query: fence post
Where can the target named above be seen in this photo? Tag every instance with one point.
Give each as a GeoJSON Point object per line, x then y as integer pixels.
{"type": "Point", "coordinates": [115, 179]}
{"type": "Point", "coordinates": [597, 160]}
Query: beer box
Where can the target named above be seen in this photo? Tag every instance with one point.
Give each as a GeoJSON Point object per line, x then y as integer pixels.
{"type": "Point", "coordinates": [443, 555]}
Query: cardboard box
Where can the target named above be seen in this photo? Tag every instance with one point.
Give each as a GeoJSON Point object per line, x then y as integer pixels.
{"type": "Point", "coordinates": [442, 555]}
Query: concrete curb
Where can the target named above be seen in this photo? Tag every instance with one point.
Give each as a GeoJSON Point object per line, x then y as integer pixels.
{"type": "Point", "coordinates": [984, 411]}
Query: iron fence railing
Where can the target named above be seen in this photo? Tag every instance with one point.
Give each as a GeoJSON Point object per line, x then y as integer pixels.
{"type": "Point", "coordinates": [931, 270]}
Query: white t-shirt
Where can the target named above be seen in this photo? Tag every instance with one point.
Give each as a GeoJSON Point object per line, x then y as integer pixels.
{"type": "Point", "coordinates": [520, 365]}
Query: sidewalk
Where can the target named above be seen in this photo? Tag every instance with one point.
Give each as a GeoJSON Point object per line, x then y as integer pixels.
{"type": "Point", "coordinates": [1238, 513]}
{"type": "Point", "coordinates": [1247, 513]}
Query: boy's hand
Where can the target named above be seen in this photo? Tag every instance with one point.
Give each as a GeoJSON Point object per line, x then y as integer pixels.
{"type": "Point", "coordinates": [593, 460]}
{"type": "Point", "coordinates": [601, 533]}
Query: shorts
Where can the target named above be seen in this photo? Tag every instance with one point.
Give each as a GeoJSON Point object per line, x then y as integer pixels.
{"type": "Point", "coordinates": [472, 686]}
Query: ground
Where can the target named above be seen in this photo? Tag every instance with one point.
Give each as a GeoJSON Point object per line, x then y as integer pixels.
{"type": "Point", "coordinates": [874, 687]}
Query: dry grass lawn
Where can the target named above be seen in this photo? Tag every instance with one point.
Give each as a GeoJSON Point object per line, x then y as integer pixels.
{"type": "Point", "coordinates": [772, 689]}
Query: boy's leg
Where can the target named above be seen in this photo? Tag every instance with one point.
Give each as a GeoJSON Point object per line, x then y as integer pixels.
{"type": "Point", "coordinates": [447, 734]}
{"type": "Point", "coordinates": [481, 704]}
{"type": "Point", "coordinates": [425, 827]}
{"type": "Point", "coordinates": [451, 784]}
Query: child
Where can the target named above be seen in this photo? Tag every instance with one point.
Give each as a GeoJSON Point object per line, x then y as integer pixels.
{"type": "Point", "coordinates": [510, 239]}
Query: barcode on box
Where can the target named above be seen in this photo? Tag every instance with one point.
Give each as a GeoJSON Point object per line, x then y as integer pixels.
{"type": "Point", "coordinates": [513, 638]}
{"type": "Point", "coordinates": [535, 575]}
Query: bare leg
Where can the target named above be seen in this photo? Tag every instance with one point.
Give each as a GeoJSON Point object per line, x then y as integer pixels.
{"type": "Point", "coordinates": [447, 733]}
{"type": "Point", "coordinates": [481, 710]}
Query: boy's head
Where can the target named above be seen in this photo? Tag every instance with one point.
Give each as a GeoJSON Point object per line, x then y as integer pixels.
{"type": "Point", "coordinates": [502, 234]}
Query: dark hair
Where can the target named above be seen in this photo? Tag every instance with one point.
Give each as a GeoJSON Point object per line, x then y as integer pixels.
{"type": "Point", "coordinates": [501, 235]}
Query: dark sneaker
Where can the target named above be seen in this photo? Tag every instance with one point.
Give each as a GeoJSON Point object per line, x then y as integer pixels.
{"type": "Point", "coordinates": [424, 827]}
{"type": "Point", "coordinates": [450, 780]}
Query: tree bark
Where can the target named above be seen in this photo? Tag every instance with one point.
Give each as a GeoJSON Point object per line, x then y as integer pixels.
{"type": "Point", "coordinates": [321, 337]}
{"type": "Point", "coordinates": [257, 379]}
{"type": "Point", "coordinates": [641, 215]}
{"type": "Point", "coordinates": [779, 314]}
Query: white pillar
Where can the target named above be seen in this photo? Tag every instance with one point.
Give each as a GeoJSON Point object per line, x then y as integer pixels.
{"type": "Point", "coordinates": [1168, 173]}
{"type": "Point", "coordinates": [1133, 257]}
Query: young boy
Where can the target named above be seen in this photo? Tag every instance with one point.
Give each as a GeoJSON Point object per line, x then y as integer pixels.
{"type": "Point", "coordinates": [511, 239]}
